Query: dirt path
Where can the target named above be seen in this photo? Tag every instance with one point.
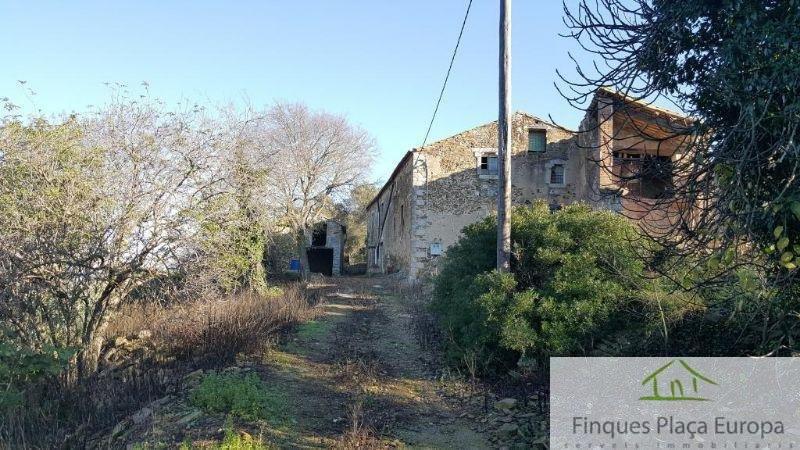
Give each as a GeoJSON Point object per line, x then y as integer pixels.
{"type": "Point", "coordinates": [356, 376]}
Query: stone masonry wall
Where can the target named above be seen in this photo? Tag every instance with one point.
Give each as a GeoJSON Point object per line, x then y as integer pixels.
{"type": "Point", "coordinates": [438, 190]}
{"type": "Point", "coordinates": [450, 194]}
{"type": "Point", "coordinates": [335, 240]}
{"type": "Point", "coordinates": [392, 213]}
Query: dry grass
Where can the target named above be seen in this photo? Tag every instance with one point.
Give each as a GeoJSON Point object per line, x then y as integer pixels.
{"type": "Point", "coordinates": [215, 329]}
{"type": "Point", "coordinates": [425, 327]}
{"type": "Point", "coordinates": [150, 347]}
{"type": "Point", "coordinates": [358, 435]}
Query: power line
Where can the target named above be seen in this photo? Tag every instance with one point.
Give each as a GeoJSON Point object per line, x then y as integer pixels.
{"type": "Point", "coordinates": [447, 77]}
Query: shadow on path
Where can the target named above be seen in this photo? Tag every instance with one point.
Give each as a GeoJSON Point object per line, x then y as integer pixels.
{"type": "Point", "coordinates": [356, 375]}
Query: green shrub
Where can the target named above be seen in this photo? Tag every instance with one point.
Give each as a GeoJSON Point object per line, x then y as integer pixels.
{"type": "Point", "coordinates": [741, 314]}
{"type": "Point", "coordinates": [244, 396]}
{"type": "Point", "coordinates": [572, 270]}
{"type": "Point", "coordinates": [578, 286]}
{"type": "Point", "coordinates": [21, 367]}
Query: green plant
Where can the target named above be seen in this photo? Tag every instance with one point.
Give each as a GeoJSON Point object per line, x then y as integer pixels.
{"type": "Point", "coordinates": [232, 238]}
{"type": "Point", "coordinates": [238, 441]}
{"type": "Point", "coordinates": [231, 441]}
{"type": "Point", "coordinates": [21, 366]}
{"type": "Point", "coordinates": [241, 395]}
{"type": "Point", "coordinates": [573, 270]}
{"type": "Point", "coordinates": [578, 286]}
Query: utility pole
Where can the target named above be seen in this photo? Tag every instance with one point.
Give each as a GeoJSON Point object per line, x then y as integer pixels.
{"type": "Point", "coordinates": [504, 143]}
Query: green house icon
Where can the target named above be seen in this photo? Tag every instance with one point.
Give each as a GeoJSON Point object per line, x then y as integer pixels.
{"type": "Point", "coordinates": [679, 384]}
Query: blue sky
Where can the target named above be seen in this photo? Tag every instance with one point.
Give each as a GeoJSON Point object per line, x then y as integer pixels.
{"type": "Point", "coordinates": [379, 62]}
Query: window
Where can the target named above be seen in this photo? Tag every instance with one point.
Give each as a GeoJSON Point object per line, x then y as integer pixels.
{"type": "Point", "coordinates": [653, 179]}
{"type": "Point", "coordinates": [537, 140]}
{"type": "Point", "coordinates": [557, 174]}
{"type": "Point", "coordinates": [436, 249]}
{"type": "Point", "coordinates": [645, 176]}
{"type": "Point", "coordinates": [488, 165]}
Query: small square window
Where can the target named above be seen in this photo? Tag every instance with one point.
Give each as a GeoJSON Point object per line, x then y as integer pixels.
{"type": "Point", "coordinates": [557, 174]}
{"type": "Point", "coordinates": [488, 165]}
{"type": "Point", "coordinates": [537, 141]}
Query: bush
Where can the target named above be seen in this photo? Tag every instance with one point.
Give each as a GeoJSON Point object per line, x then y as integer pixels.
{"type": "Point", "coordinates": [244, 396]}
{"type": "Point", "coordinates": [281, 249]}
{"type": "Point", "coordinates": [572, 271]}
{"type": "Point", "coordinates": [578, 287]}
{"type": "Point", "coordinates": [232, 440]}
{"type": "Point", "coordinates": [741, 314]}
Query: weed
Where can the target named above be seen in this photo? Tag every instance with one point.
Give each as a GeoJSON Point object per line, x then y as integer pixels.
{"type": "Point", "coordinates": [232, 440]}
{"type": "Point", "coordinates": [162, 342]}
{"type": "Point", "coordinates": [358, 435]}
{"type": "Point", "coordinates": [424, 326]}
{"type": "Point", "coordinates": [313, 330]}
{"type": "Point", "coordinates": [244, 396]}
{"type": "Point", "coordinates": [239, 441]}
{"type": "Point", "coordinates": [149, 446]}
{"type": "Point", "coordinates": [280, 358]}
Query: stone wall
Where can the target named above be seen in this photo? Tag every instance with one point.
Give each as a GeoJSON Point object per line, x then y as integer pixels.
{"type": "Point", "coordinates": [451, 194]}
{"type": "Point", "coordinates": [335, 237]}
{"type": "Point", "coordinates": [593, 136]}
{"type": "Point", "coordinates": [389, 223]}
{"type": "Point", "coordinates": [438, 190]}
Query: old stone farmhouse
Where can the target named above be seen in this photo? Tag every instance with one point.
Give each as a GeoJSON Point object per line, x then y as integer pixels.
{"type": "Point", "coordinates": [436, 190]}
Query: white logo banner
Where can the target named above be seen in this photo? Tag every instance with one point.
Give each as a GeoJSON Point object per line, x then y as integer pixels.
{"type": "Point", "coordinates": [675, 403]}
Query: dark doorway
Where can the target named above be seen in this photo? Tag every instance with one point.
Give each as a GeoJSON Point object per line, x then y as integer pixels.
{"type": "Point", "coordinates": [320, 260]}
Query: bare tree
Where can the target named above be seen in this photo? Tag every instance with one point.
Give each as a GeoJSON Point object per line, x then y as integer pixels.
{"type": "Point", "coordinates": [317, 157]}
{"type": "Point", "coordinates": [94, 206]}
{"type": "Point", "coordinates": [90, 209]}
